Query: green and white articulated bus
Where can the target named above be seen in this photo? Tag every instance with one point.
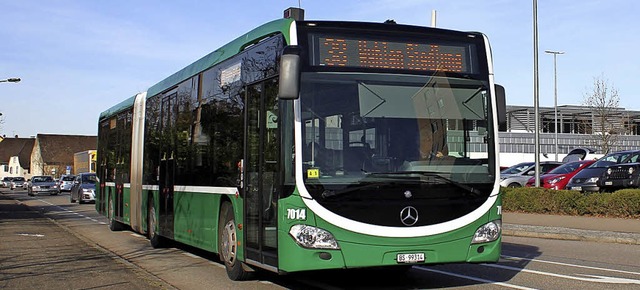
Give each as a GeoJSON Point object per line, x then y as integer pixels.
{"type": "Point", "coordinates": [307, 145]}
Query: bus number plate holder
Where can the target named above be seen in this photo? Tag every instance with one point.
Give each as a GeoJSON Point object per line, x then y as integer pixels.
{"type": "Point", "coordinates": [410, 258]}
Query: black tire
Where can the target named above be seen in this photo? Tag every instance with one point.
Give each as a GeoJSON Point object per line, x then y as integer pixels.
{"type": "Point", "coordinates": [114, 225]}
{"type": "Point", "coordinates": [155, 239]}
{"type": "Point", "coordinates": [228, 245]}
{"type": "Point", "coordinates": [514, 184]}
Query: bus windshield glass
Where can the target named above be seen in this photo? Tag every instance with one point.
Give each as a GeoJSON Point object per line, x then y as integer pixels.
{"type": "Point", "coordinates": [365, 127]}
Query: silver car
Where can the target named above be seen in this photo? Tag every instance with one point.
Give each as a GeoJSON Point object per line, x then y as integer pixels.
{"type": "Point", "coordinates": [84, 188]}
{"type": "Point", "coordinates": [43, 184]}
{"type": "Point", "coordinates": [18, 183]}
{"type": "Point", "coordinates": [6, 182]}
{"type": "Point", "coordinates": [519, 174]}
{"type": "Point", "coordinates": [66, 182]}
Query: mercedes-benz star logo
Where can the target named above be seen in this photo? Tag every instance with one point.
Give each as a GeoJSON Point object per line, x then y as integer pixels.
{"type": "Point", "coordinates": [409, 216]}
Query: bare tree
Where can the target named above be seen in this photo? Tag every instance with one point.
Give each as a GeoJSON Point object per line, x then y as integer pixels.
{"type": "Point", "coordinates": [607, 124]}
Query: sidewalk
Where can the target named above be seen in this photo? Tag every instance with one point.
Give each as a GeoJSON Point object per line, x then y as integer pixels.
{"type": "Point", "coordinates": [579, 228]}
{"type": "Point", "coordinates": [36, 253]}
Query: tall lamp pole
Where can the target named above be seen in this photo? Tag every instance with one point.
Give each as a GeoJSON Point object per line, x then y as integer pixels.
{"type": "Point", "coordinates": [555, 94]}
{"type": "Point", "coordinates": [536, 97]}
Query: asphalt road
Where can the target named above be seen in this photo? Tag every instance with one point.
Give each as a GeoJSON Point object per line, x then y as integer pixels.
{"type": "Point", "coordinates": [77, 251]}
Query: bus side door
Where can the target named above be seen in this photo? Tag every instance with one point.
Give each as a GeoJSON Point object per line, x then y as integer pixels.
{"type": "Point", "coordinates": [261, 175]}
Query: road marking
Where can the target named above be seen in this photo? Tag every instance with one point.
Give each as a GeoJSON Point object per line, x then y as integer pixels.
{"type": "Point", "coordinates": [30, 235]}
{"type": "Point", "coordinates": [598, 279]}
{"type": "Point", "coordinates": [69, 211]}
{"type": "Point", "coordinates": [570, 265]}
{"type": "Point", "coordinates": [477, 279]}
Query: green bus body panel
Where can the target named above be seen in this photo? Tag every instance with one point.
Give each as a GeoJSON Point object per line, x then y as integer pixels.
{"type": "Point", "coordinates": [196, 219]}
{"type": "Point", "coordinates": [126, 208]}
{"type": "Point", "coordinates": [359, 250]}
{"type": "Point", "coordinates": [219, 55]}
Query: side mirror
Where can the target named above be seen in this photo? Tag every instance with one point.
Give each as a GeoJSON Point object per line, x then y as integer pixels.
{"type": "Point", "coordinates": [502, 108]}
{"type": "Point", "coordinates": [289, 87]}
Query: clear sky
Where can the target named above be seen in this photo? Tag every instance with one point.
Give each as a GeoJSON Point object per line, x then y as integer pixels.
{"type": "Point", "coordinates": [77, 58]}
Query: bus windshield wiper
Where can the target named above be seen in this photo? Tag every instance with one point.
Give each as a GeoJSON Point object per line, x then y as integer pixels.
{"type": "Point", "coordinates": [469, 189]}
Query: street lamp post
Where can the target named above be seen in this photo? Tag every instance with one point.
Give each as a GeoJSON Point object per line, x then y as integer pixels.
{"type": "Point", "coordinates": [555, 94]}
{"type": "Point", "coordinates": [536, 97]}
{"type": "Point", "coordinates": [10, 80]}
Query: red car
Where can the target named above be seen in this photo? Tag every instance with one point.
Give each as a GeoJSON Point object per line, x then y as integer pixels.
{"type": "Point", "coordinates": [560, 176]}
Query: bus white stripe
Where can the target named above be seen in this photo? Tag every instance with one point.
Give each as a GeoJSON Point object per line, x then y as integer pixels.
{"type": "Point", "coordinates": [196, 189]}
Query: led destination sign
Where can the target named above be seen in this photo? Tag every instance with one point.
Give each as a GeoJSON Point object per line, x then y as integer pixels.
{"type": "Point", "coordinates": [368, 53]}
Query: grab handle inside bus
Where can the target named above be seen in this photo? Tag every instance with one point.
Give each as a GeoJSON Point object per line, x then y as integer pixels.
{"type": "Point", "coordinates": [502, 107]}
{"type": "Point", "coordinates": [289, 73]}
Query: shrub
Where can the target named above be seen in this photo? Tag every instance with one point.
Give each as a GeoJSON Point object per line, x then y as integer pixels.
{"type": "Point", "coordinates": [623, 203]}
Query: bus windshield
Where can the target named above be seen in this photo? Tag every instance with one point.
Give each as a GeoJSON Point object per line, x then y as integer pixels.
{"type": "Point", "coordinates": [360, 125]}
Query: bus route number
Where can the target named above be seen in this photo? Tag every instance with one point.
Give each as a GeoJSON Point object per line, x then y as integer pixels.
{"type": "Point", "coordinates": [296, 214]}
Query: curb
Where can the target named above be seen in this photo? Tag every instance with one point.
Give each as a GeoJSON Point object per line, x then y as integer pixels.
{"type": "Point", "coordinates": [560, 233]}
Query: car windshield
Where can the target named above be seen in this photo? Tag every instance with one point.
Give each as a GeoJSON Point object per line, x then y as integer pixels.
{"type": "Point", "coordinates": [89, 179]}
{"type": "Point", "coordinates": [67, 178]}
{"type": "Point", "coordinates": [615, 158]}
{"type": "Point", "coordinates": [18, 179]}
{"type": "Point", "coordinates": [42, 179]}
{"type": "Point", "coordinates": [518, 168]}
{"type": "Point", "coordinates": [566, 168]}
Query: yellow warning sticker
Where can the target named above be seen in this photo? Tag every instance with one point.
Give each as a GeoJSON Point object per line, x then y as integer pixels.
{"type": "Point", "coordinates": [313, 173]}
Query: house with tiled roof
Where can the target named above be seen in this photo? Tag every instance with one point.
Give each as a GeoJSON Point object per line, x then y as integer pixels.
{"type": "Point", "coordinates": [15, 156]}
{"type": "Point", "coordinates": [53, 154]}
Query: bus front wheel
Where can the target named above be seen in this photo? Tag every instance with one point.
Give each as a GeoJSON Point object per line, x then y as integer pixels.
{"type": "Point", "coordinates": [228, 245]}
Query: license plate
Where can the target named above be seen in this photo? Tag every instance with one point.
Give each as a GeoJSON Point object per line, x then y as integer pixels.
{"type": "Point", "coordinates": [578, 188]}
{"type": "Point", "coordinates": [410, 258]}
{"type": "Point", "coordinates": [608, 183]}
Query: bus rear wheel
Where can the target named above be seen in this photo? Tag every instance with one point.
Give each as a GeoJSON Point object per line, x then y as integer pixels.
{"type": "Point", "coordinates": [154, 238]}
{"type": "Point", "coordinates": [228, 245]}
{"type": "Point", "coordinates": [114, 225]}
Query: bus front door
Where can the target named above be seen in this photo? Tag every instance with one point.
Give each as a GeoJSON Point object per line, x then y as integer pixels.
{"type": "Point", "coordinates": [261, 173]}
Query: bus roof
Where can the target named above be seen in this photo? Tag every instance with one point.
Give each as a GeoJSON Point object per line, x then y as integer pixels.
{"type": "Point", "coordinates": [223, 53]}
{"type": "Point", "coordinates": [227, 51]}
{"type": "Point", "coordinates": [118, 108]}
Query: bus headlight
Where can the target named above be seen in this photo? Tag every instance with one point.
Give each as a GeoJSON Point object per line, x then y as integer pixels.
{"type": "Point", "coordinates": [488, 232]}
{"type": "Point", "coordinates": [313, 238]}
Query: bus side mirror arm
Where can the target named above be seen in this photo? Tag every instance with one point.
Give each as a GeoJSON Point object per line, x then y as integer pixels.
{"type": "Point", "coordinates": [502, 108]}
{"type": "Point", "coordinates": [289, 87]}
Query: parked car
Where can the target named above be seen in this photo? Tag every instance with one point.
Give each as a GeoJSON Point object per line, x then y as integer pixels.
{"type": "Point", "coordinates": [66, 182]}
{"type": "Point", "coordinates": [42, 184]}
{"type": "Point", "coordinates": [619, 176]}
{"type": "Point", "coordinates": [558, 177]}
{"type": "Point", "coordinates": [84, 188]}
{"type": "Point", "coordinates": [587, 179]}
{"type": "Point", "coordinates": [18, 182]}
{"type": "Point", "coordinates": [519, 174]}
{"type": "Point", "coordinates": [6, 182]}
